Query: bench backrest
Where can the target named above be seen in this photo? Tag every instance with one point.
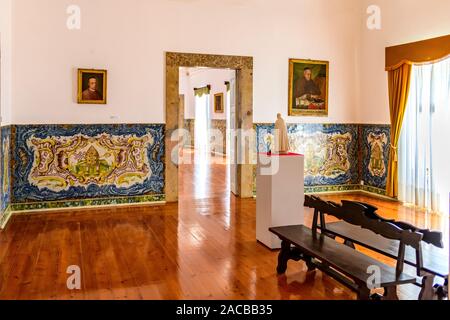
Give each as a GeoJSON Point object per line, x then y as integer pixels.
{"type": "Point", "coordinates": [356, 213]}
{"type": "Point", "coordinates": [434, 238]}
{"type": "Point", "coordinates": [363, 215]}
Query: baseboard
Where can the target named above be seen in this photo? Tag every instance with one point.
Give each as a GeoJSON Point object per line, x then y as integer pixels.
{"type": "Point", "coordinates": [368, 193]}
{"type": "Point", "coordinates": [332, 188]}
{"type": "Point", "coordinates": [79, 208]}
{"type": "Point", "coordinates": [86, 203]}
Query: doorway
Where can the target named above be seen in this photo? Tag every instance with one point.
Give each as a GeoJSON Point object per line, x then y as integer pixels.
{"type": "Point", "coordinates": [243, 67]}
{"type": "Point", "coordinates": [207, 102]}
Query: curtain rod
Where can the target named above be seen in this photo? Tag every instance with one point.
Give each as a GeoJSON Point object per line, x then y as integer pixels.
{"type": "Point", "coordinates": [208, 86]}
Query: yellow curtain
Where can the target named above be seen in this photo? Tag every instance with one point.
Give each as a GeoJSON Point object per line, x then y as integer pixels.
{"type": "Point", "coordinates": [399, 82]}
{"type": "Point", "coordinates": [201, 91]}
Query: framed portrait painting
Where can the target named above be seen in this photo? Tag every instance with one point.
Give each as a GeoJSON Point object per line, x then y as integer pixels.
{"type": "Point", "coordinates": [308, 87]}
{"type": "Point", "coordinates": [218, 103]}
{"type": "Point", "coordinates": [92, 86]}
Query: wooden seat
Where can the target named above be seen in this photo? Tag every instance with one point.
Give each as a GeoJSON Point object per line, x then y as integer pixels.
{"type": "Point", "coordinates": [346, 265]}
{"type": "Point", "coordinates": [361, 224]}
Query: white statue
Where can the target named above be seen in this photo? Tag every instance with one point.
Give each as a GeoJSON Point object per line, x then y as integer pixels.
{"type": "Point", "coordinates": [281, 136]}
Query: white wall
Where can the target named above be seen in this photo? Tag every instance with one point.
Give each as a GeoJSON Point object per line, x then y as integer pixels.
{"type": "Point", "coordinates": [403, 21]}
{"type": "Point", "coordinates": [197, 78]}
{"type": "Point", "coordinates": [129, 38]}
{"type": "Point", "coordinates": [6, 60]}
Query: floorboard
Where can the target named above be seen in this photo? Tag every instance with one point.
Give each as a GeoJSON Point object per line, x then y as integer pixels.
{"type": "Point", "coordinates": [201, 248]}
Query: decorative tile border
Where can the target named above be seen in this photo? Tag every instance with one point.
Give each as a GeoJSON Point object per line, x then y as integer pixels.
{"type": "Point", "coordinates": [5, 168]}
{"type": "Point", "coordinates": [331, 189]}
{"type": "Point", "coordinates": [374, 190]}
{"type": "Point", "coordinates": [176, 59]}
{"type": "Point", "coordinates": [375, 141]}
{"type": "Point", "coordinates": [5, 216]}
{"type": "Point", "coordinates": [49, 205]}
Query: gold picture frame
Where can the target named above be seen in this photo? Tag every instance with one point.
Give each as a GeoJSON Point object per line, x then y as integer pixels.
{"type": "Point", "coordinates": [92, 86]}
{"type": "Point", "coordinates": [218, 103]}
{"type": "Point", "coordinates": [308, 87]}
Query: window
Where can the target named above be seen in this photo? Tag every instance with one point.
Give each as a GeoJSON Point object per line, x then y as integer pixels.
{"type": "Point", "coordinates": [424, 148]}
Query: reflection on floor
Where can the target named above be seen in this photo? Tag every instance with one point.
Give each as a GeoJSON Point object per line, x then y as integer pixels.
{"type": "Point", "coordinates": [203, 248]}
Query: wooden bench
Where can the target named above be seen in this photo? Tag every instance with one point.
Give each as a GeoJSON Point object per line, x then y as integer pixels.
{"type": "Point", "coordinates": [434, 260]}
{"type": "Point", "coordinates": [365, 228]}
{"type": "Point", "coordinates": [348, 266]}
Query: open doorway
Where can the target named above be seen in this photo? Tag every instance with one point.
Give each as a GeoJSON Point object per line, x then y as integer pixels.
{"type": "Point", "coordinates": [207, 114]}
{"type": "Point", "coordinates": [244, 116]}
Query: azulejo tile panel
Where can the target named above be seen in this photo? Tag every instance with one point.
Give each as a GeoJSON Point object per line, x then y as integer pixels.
{"type": "Point", "coordinates": [330, 151]}
{"type": "Point", "coordinates": [375, 144]}
{"type": "Point", "coordinates": [5, 157]}
{"type": "Point", "coordinates": [63, 162]}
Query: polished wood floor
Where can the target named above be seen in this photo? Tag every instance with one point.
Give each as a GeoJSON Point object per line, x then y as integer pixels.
{"type": "Point", "coordinates": [202, 248]}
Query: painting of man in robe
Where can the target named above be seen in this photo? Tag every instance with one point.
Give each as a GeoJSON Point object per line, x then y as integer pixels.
{"type": "Point", "coordinates": [308, 87]}
{"type": "Point", "coordinates": [92, 86]}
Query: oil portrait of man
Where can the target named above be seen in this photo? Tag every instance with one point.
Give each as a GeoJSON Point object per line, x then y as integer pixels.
{"type": "Point", "coordinates": [308, 88]}
{"type": "Point", "coordinates": [92, 86]}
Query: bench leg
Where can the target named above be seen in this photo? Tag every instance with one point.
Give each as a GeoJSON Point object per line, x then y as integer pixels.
{"type": "Point", "coordinates": [390, 293]}
{"type": "Point", "coordinates": [427, 292]}
{"type": "Point", "coordinates": [283, 257]}
{"type": "Point", "coordinates": [363, 293]}
{"type": "Point", "coordinates": [309, 263]}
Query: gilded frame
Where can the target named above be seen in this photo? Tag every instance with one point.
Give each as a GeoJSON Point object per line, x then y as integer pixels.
{"type": "Point", "coordinates": [216, 109]}
{"type": "Point", "coordinates": [311, 112]}
{"type": "Point", "coordinates": [104, 74]}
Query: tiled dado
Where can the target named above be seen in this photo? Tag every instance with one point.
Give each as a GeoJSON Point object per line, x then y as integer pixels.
{"type": "Point", "coordinates": [220, 125]}
{"type": "Point", "coordinates": [374, 146]}
{"type": "Point", "coordinates": [5, 174]}
{"type": "Point", "coordinates": [58, 166]}
{"type": "Point", "coordinates": [216, 124]}
{"type": "Point", "coordinates": [189, 125]}
{"type": "Point", "coordinates": [338, 157]}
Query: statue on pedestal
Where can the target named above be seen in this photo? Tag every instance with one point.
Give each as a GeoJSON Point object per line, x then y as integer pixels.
{"type": "Point", "coordinates": [281, 136]}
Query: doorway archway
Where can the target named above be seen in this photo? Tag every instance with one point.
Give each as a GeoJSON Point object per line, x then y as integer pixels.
{"type": "Point", "coordinates": [244, 112]}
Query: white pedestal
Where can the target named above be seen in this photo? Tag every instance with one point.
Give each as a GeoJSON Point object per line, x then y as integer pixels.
{"type": "Point", "coordinates": [279, 196]}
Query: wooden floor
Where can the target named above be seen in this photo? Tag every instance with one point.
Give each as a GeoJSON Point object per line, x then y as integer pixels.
{"type": "Point", "coordinates": [202, 248]}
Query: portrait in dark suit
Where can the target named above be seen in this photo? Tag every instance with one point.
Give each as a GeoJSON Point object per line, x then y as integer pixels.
{"type": "Point", "coordinates": [92, 86]}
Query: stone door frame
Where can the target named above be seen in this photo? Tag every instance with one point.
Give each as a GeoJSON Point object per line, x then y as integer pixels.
{"type": "Point", "coordinates": [244, 111]}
